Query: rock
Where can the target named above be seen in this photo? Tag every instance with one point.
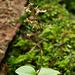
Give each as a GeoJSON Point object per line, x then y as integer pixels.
{"type": "Point", "coordinates": [9, 10]}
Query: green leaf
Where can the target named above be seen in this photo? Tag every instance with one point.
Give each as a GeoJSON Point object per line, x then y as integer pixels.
{"type": "Point", "coordinates": [25, 70]}
{"type": "Point", "coordinates": [46, 71]}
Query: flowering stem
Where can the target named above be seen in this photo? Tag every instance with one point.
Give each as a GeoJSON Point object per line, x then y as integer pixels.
{"type": "Point", "coordinates": [40, 50]}
{"type": "Point", "coordinates": [37, 40]}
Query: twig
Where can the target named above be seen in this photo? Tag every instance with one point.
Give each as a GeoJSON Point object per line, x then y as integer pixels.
{"type": "Point", "coordinates": [35, 46]}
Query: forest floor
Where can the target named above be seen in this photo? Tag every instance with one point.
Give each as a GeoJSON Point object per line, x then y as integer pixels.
{"type": "Point", "coordinates": [57, 46]}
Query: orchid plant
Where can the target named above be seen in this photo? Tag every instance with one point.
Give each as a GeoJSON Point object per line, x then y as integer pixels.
{"type": "Point", "coordinates": [28, 70]}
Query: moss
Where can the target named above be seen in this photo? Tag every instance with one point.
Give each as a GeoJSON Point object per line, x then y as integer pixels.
{"type": "Point", "coordinates": [57, 48]}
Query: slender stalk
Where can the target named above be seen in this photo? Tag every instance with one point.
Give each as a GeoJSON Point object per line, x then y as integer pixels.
{"type": "Point", "coordinates": [40, 51]}
{"type": "Point", "coordinates": [37, 39]}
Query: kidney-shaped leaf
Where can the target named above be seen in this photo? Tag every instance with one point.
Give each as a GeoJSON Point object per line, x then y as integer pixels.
{"type": "Point", "coordinates": [25, 70]}
{"type": "Point", "coordinates": [46, 71]}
